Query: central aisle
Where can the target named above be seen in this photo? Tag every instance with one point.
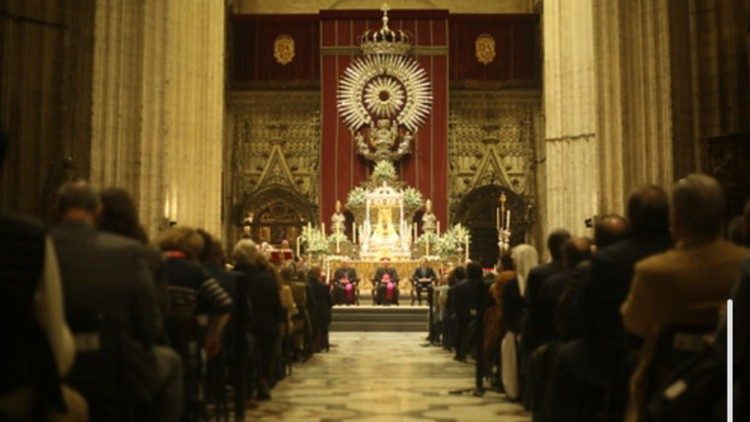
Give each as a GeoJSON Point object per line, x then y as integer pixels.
{"type": "Point", "coordinates": [382, 376]}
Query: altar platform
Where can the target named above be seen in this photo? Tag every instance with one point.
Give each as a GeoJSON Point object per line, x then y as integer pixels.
{"type": "Point", "coordinates": [380, 318]}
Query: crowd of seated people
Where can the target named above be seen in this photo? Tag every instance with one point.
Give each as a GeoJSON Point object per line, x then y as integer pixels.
{"type": "Point", "coordinates": [101, 323]}
{"type": "Point", "coordinates": [627, 324]}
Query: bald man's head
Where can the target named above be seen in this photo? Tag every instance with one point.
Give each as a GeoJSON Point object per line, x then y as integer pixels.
{"type": "Point", "coordinates": [610, 229]}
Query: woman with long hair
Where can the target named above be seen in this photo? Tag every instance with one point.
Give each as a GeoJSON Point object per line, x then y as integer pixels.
{"type": "Point", "coordinates": [119, 215]}
{"type": "Point", "coordinates": [525, 257]}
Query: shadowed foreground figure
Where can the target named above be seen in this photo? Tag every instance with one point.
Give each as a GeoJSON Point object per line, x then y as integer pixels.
{"type": "Point", "coordinates": [672, 287]}
{"type": "Point", "coordinates": [109, 275]}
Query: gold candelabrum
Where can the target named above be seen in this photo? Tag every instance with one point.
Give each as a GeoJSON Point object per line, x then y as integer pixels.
{"type": "Point", "coordinates": [502, 223]}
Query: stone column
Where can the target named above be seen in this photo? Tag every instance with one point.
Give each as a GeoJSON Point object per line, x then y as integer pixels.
{"type": "Point", "coordinates": [158, 109]}
{"type": "Point", "coordinates": [572, 167]}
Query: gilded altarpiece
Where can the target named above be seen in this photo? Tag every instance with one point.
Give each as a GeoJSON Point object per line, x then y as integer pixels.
{"type": "Point", "coordinates": [274, 157]}
{"type": "Point", "coordinates": [492, 149]}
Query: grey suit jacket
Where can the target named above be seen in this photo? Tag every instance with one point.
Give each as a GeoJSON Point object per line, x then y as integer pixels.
{"type": "Point", "coordinates": [107, 274]}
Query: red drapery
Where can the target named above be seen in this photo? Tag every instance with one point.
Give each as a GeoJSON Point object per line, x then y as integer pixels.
{"type": "Point", "coordinates": [427, 167]}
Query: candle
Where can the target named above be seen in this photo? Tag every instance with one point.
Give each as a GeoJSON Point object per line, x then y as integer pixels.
{"type": "Point", "coordinates": [323, 229]}
{"type": "Point", "coordinates": [507, 220]}
{"type": "Point", "coordinates": [298, 246]}
{"type": "Point", "coordinates": [467, 248]}
{"type": "Point", "coordinates": [497, 218]}
{"type": "Point", "coordinates": [354, 233]}
{"type": "Point", "coordinates": [309, 226]}
{"type": "Point", "coordinates": [438, 228]}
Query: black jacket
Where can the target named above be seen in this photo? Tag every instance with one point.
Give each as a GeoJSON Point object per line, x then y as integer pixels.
{"type": "Point", "coordinates": [383, 271]}
{"type": "Point", "coordinates": [426, 272]}
{"type": "Point", "coordinates": [107, 274]}
{"type": "Point", "coordinates": [608, 283]}
{"type": "Point", "coordinates": [535, 330]}
{"type": "Point", "coordinates": [467, 296]}
{"type": "Point", "coordinates": [264, 297]}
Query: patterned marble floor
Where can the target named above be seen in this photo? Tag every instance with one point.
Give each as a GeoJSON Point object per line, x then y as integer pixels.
{"type": "Point", "coordinates": [383, 377]}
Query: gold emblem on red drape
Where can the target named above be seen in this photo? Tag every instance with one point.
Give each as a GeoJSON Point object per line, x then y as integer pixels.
{"type": "Point", "coordinates": [283, 49]}
{"type": "Point", "coordinates": [484, 47]}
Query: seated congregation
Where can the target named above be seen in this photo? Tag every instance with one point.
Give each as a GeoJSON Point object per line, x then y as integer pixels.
{"type": "Point", "coordinates": [627, 325]}
{"type": "Point", "coordinates": [103, 325]}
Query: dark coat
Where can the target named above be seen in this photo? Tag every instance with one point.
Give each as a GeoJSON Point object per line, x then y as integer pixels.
{"type": "Point", "coordinates": [426, 272]}
{"type": "Point", "coordinates": [383, 271]}
{"type": "Point", "coordinates": [608, 284]}
{"type": "Point", "coordinates": [513, 306]}
{"type": "Point", "coordinates": [467, 296]}
{"type": "Point", "coordinates": [535, 329]}
{"type": "Point", "coordinates": [264, 298]}
{"type": "Point", "coordinates": [107, 274]}
{"type": "Point", "coordinates": [339, 274]}
{"type": "Point", "coordinates": [321, 296]}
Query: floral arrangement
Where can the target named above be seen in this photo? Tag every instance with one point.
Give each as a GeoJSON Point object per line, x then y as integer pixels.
{"type": "Point", "coordinates": [412, 199]}
{"type": "Point", "coordinates": [384, 171]}
{"type": "Point", "coordinates": [341, 237]}
{"type": "Point", "coordinates": [356, 198]}
{"type": "Point", "coordinates": [314, 240]}
{"type": "Point", "coordinates": [452, 240]}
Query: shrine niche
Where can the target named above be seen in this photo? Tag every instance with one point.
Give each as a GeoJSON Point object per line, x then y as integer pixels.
{"type": "Point", "coordinates": [477, 212]}
{"type": "Point", "coordinates": [274, 160]}
{"type": "Point", "coordinates": [276, 219]}
{"type": "Point", "coordinates": [492, 149]}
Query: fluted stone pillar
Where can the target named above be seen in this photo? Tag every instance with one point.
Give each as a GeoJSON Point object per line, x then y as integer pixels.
{"type": "Point", "coordinates": [635, 102]}
{"type": "Point", "coordinates": [158, 107]}
{"type": "Point", "coordinates": [572, 167]}
{"type": "Point", "coordinates": [627, 99]}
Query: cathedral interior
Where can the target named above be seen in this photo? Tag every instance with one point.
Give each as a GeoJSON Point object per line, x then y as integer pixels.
{"type": "Point", "coordinates": [352, 130]}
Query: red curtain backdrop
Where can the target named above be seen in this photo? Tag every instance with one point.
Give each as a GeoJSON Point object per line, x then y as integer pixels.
{"type": "Point", "coordinates": [517, 61]}
{"type": "Point", "coordinates": [427, 167]}
{"type": "Point", "coordinates": [251, 42]}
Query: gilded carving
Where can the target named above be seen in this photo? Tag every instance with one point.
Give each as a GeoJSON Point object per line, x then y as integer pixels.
{"type": "Point", "coordinates": [491, 142]}
{"type": "Point", "coordinates": [283, 49]}
{"type": "Point", "coordinates": [484, 48]}
{"type": "Point", "coordinates": [275, 146]}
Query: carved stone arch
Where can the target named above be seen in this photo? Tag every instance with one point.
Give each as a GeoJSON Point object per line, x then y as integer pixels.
{"type": "Point", "coordinates": [477, 211]}
{"type": "Point", "coordinates": [290, 211]}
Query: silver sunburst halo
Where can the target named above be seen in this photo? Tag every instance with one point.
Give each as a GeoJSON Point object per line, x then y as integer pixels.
{"type": "Point", "coordinates": [358, 82]}
{"type": "Point", "coordinates": [384, 96]}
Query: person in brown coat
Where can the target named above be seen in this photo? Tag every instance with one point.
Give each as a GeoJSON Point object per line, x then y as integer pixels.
{"type": "Point", "coordinates": [670, 287]}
